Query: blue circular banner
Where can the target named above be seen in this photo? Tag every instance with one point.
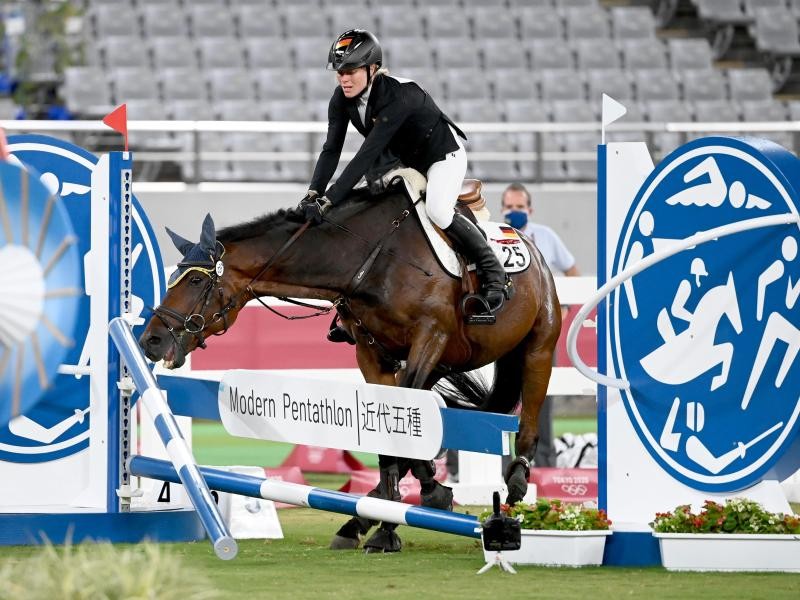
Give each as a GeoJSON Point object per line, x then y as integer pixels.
{"type": "Point", "coordinates": [59, 425]}
{"type": "Point", "coordinates": [708, 338]}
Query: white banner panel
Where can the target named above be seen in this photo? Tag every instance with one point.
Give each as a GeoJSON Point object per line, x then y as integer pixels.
{"type": "Point", "coordinates": [318, 412]}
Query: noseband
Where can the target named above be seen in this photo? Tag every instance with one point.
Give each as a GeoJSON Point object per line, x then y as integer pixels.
{"type": "Point", "coordinates": [195, 323]}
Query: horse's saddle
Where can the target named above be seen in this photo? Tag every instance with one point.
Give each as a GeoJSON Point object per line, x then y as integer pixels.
{"type": "Point", "coordinates": [512, 252]}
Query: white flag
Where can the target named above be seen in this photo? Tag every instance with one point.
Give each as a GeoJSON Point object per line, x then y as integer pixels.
{"type": "Point", "coordinates": [612, 110]}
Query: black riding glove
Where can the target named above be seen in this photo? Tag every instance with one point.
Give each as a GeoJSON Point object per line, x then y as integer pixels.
{"type": "Point", "coordinates": [315, 209]}
{"type": "Point", "coordinates": [310, 196]}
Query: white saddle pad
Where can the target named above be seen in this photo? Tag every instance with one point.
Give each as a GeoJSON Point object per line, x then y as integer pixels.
{"type": "Point", "coordinates": [509, 248]}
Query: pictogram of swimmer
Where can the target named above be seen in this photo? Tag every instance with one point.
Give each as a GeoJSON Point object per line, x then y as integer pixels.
{"type": "Point", "coordinates": [714, 191]}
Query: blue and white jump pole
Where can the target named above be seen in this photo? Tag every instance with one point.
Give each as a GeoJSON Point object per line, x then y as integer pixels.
{"type": "Point", "coordinates": [321, 499]}
{"type": "Point", "coordinates": [183, 464]}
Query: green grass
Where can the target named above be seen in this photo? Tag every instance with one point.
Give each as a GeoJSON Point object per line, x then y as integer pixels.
{"type": "Point", "coordinates": [213, 446]}
{"type": "Point", "coordinates": [433, 565]}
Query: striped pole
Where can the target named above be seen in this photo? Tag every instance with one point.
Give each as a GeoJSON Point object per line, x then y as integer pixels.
{"type": "Point", "coordinates": [329, 500]}
{"type": "Point", "coordinates": [182, 461]}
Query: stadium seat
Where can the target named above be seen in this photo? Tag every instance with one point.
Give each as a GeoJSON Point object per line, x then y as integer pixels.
{"type": "Point", "coordinates": [514, 83]}
{"type": "Point", "coordinates": [256, 21]}
{"type": "Point", "coordinates": [164, 20]}
{"type": "Point", "coordinates": [167, 52]}
{"type": "Point", "coordinates": [134, 84]}
{"type": "Point", "coordinates": [768, 110]}
{"type": "Point", "coordinates": [211, 20]}
{"type": "Point", "coordinates": [86, 90]}
{"type": "Point", "coordinates": [721, 11]}
{"type": "Point", "coordinates": [427, 78]}
{"type": "Point", "coordinates": [118, 52]}
{"type": "Point", "coordinates": [219, 52]}
{"type": "Point", "coordinates": [561, 85]}
{"type": "Point", "coordinates": [629, 22]}
{"type": "Point", "coordinates": [715, 111]}
{"type": "Point", "coordinates": [230, 84]}
{"type": "Point", "coordinates": [703, 85]}
{"type": "Point", "coordinates": [614, 82]}
{"type": "Point", "coordinates": [476, 111]}
{"type": "Point", "coordinates": [776, 32]}
{"type": "Point", "coordinates": [410, 52]}
{"type": "Point", "coordinates": [264, 53]}
{"type": "Point", "coordinates": [465, 84]}
{"type": "Point", "coordinates": [574, 111]}
{"type": "Point", "coordinates": [645, 53]}
{"type": "Point", "coordinates": [489, 22]}
{"type": "Point", "coordinates": [114, 20]}
{"type": "Point", "coordinates": [498, 170]}
{"type": "Point", "coordinates": [287, 110]}
{"type": "Point", "coordinates": [182, 84]}
{"type": "Point", "coordinates": [596, 54]}
{"type": "Point", "coordinates": [586, 22]}
{"type": "Point", "coordinates": [751, 7]}
{"type": "Point", "coordinates": [540, 24]}
{"type": "Point", "coordinates": [581, 169]}
{"type": "Point", "coordinates": [301, 22]}
{"type": "Point", "coordinates": [655, 84]}
{"type": "Point", "coordinates": [277, 84]}
{"type": "Point", "coordinates": [398, 22]}
{"type": "Point", "coordinates": [240, 110]}
{"type": "Point", "coordinates": [665, 111]}
{"type": "Point", "coordinates": [454, 53]}
{"type": "Point", "coordinates": [550, 54]}
{"type": "Point", "coordinates": [689, 53]}
{"type": "Point", "coordinates": [749, 84]}
{"type": "Point", "coordinates": [350, 16]}
{"type": "Point", "coordinates": [443, 22]}
{"type": "Point", "coordinates": [311, 52]}
{"type": "Point", "coordinates": [503, 54]}
{"type": "Point", "coordinates": [319, 83]}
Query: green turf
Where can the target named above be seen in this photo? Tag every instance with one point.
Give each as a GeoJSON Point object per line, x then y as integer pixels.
{"type": "Point", "coordinates": [213, 446]}
{"type": "Point", "coordinates": [433, 565]}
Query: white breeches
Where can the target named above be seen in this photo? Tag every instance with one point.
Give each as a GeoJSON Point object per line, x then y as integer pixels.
{"type": "Point", "coordinates": [444, 184]}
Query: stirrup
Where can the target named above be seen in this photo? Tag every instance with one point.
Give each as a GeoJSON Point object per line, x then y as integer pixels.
{"type": "Point", "coordinates": [485, 316]}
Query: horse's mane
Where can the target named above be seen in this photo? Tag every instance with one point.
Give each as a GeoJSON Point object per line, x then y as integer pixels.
{"type": "Point", "coordinates": [288, 219]}
{"type": "Point", "coordinates": [255, 227]}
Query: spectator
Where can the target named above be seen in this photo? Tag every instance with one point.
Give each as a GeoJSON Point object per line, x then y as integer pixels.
{"type": "Point", "coordinates": [517, 210]}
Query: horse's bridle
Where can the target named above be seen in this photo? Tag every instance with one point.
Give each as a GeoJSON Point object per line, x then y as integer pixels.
{"type": "Point", "coordinates": [195, 323]}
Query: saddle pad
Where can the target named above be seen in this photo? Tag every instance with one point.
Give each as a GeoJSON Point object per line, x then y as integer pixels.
{"type": "Point", "coordinates": [505, 241]}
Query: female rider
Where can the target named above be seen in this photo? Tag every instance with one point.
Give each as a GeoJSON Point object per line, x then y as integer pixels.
{"type": "Point", "coordinates": [399, 116]}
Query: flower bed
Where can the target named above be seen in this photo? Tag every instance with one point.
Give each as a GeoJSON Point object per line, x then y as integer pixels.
{"type": "Point", "coordinates": [737, 536]}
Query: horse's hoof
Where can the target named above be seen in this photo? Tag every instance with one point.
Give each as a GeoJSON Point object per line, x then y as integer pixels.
{"type": "Point", "coordinates": [517, 487]}
{"type": "Point", "coordinates": [441, 497]}
{"type": "Point", "coordinates": [339, 542]}
{"type": "Point", "coordinates": [383, 540]}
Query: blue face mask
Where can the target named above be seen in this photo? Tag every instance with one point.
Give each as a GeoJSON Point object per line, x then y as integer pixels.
{"type": "Point", "coordinates": [517, 219]}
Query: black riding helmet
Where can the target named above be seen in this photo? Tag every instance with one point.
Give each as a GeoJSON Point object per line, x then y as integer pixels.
{"type": "Point", "coordinates": [353, 49]}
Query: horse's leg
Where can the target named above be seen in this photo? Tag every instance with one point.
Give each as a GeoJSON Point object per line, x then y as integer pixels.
{"type": "Point", "coordinates": [426, 350]}
{"type": "Point", "coordinates": [726, 352]}
{"type": "Point", "coordinates": [348, 537]}
{"type": "Point", "coordinates": [537, 366]}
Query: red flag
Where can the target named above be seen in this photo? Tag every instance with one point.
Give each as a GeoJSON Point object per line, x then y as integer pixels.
{"type": "Point", "coordinates": [117, 119]}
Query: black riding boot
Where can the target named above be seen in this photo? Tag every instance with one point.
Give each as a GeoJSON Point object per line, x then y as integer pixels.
{"type": "Point", "coordinates": [495, 286]}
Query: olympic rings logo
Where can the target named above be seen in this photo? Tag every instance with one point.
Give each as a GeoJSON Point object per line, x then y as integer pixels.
{"type": "Point", "coordinates": [574, 489]}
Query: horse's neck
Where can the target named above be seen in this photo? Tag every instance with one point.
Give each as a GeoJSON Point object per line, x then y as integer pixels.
{"type": "Point", "coordinates": [308, 268]}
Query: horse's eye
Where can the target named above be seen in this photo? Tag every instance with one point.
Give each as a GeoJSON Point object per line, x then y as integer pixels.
{"type": "Point", "coordinates": [197, 280]}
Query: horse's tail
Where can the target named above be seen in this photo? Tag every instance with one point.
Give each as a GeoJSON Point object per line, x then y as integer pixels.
{"type": "Point", "coordinates": [470, 390]}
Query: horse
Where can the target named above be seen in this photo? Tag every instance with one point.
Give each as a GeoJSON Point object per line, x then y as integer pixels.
{"type": "Point", "coordinates": [372, 261]}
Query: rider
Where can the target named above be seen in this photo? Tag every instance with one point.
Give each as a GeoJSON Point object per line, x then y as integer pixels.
{"type": "Point", "coordinates": [397, 115]}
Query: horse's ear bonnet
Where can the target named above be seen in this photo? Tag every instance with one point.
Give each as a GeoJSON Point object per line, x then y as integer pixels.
{"type": "Point", "coordinates": [202, 256]}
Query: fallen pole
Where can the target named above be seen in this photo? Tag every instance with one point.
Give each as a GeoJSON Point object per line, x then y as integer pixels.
{"type": "Point", "coordinates": [321, 499]}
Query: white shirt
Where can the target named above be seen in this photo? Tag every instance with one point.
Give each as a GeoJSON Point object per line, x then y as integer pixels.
{"type": "Point", "coordinates": [362, 105]}
{"type": "Point", "coordinates": [554, 251]}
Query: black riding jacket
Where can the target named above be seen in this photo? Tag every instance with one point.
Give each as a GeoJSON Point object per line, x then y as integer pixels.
{"type": "Point", "coordinates": [400, 117]}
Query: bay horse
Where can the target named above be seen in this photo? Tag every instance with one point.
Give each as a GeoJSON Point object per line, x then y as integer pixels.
{"type": "Point", "coordinates": [371, 259]}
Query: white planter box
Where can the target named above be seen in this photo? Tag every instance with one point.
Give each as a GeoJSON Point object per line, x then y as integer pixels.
{"type": "Point", "coordinates": [557, 548]}
{"type": "Point", "coordinates": [729, 552]}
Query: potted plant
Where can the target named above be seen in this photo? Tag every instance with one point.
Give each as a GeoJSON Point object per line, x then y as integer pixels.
{"type": "Point", "coordinates": [556, 533]}
{"type": "Point", "coordinates": [736, 536]}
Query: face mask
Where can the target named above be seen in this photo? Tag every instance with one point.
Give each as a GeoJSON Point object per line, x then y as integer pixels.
{"type": "Point", "coordinates": [517, 218]}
